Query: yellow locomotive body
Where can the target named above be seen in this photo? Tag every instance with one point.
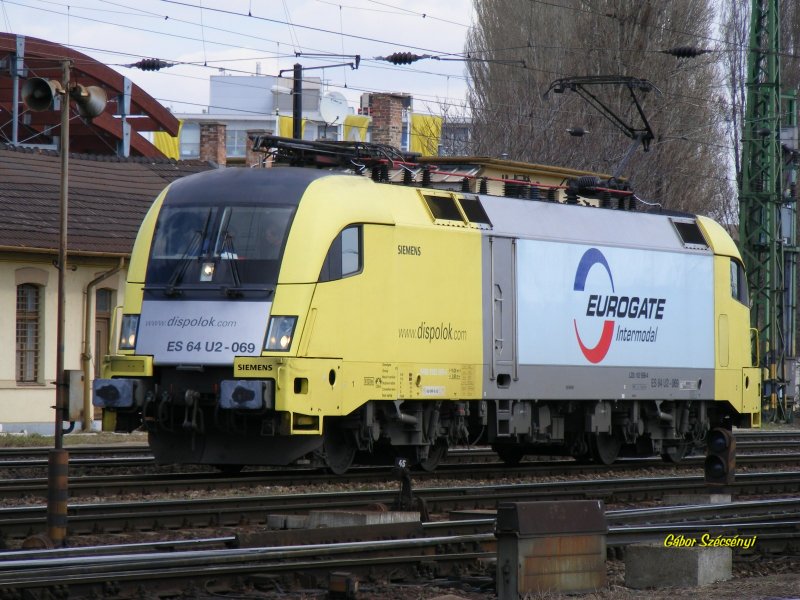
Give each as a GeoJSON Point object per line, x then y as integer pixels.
{"type": "Point", "coordinates": [402, 320]}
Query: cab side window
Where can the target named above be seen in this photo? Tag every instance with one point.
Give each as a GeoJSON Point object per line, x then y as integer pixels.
{"type": "Point", "coordinates": [739, 283]}
{"type": "Point", "coordinates": [344, 256]}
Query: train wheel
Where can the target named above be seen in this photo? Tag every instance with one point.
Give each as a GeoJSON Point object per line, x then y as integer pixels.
{"type": "Point", "coordinates": [510, 455]}
{"type": "Point", "coordinates": [605, 447]}
{"type": "Point", "coordinates": [436, 454]}
{"type": "Point", "coordinates": [340, 449]}
{"type": "Point", "coordinates": [675, 454]}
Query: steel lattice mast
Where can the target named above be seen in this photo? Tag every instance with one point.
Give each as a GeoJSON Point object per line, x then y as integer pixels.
{"type": "Point", "coordinates": [766, 212]}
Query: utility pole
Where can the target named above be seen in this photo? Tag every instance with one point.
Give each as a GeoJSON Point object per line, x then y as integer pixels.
{"type": "Point", "coordinates": [39, 94]}
{"type": "Point", "coordinates": [297, 102]}
{"type": "Point", "coordinates": [767, 213]}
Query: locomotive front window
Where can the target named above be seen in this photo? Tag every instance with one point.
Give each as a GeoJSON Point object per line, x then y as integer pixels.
{"type": "Point", "coordinates": [251, 233]}
{"type": "Point", "coordinates": [180, 231]}
{"type": "Point", "coordinates": [226, 247]}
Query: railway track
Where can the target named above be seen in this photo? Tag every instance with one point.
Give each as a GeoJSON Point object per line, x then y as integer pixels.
{"type": "Point", "coordinates": [83, 486]}
{"type": "Point", "coordinates": [460, 547]}
{"type": "Point", "coordinates": [127, 453]}
{"type": "Point", "coordinates": [238, 511]}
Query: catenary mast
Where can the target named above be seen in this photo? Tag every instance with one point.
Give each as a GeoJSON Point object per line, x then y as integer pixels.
{"type": "Point", "coordinates": [767, 209]}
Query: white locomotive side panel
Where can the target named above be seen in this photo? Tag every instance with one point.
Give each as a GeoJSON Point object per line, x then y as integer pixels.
{"type": "Point", "coordinates": [201, 332]}
{"type": "Point", "coordinates": [618, 307]}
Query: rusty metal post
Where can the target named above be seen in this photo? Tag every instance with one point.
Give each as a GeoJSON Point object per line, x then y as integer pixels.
{"type": "Point", "coordinates": [58, 461]}
{"type": "Point", "coordinates": [57, 495]}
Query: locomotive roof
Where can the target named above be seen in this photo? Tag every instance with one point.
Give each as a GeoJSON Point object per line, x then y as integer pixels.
{"type": "Point", "coordinates": [513, 217]}
{"type": "Point", "coordinates": [580, 224]}
{"type": "Point", "coordinates": [251, 186]}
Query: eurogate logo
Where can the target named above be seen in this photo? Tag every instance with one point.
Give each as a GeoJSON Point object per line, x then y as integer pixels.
{"type": "Point", "coordinates": [590, 258]}
{"type": "Point", "coordinates": [611, 305]}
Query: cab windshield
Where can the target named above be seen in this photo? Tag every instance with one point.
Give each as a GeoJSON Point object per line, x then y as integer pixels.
{"type": "Point", "coordinates": [227, 247]}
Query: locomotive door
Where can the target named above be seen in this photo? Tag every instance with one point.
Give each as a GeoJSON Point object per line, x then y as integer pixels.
{"type": "Point", "coordinates": [504, 310]}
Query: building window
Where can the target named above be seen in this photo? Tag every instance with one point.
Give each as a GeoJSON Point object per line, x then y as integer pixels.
{"type": "Point", "coordinates": [190, 140]}
{"type": "Point", "coordinates": [235, 143]}
{"type": "Point", "coordinates": [28, 296]}
{"type": "Point", "coordinates": [102, 325]}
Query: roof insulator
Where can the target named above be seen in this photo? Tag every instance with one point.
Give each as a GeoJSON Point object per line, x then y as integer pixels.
{"type": "Point", "coordinates": [686, 51]}
{"type": "Point", "coordinates": [150, 64]}
{"type": "Point", "coordinates": [403, 58]}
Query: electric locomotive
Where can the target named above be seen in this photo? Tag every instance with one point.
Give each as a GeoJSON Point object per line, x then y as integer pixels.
{"type": "Point", "coordinates": [284, 313]}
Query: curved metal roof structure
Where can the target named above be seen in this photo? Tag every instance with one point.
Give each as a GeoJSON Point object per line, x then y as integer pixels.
{"type": "Point", "coordinates": [129, 112]}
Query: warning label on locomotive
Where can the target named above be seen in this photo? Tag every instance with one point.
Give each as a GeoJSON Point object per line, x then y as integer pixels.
{"type": "Point", "coordinates": [610, 306]}
{"type": "Point", "coordinates": [201, 332]}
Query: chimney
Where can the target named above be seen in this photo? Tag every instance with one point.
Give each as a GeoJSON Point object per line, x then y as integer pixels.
{"type": "Point", "coordinates": [212, 142]}
{"type": "Point", "coordinates": [256, 159]}
{"type": "Point", "coordinates": [386, 111]}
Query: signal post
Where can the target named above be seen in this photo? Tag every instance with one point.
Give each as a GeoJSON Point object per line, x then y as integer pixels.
{"type": "Point", "coordinates": [38, 95]}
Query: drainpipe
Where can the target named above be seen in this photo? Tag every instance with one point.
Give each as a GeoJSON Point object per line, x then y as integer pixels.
{"type": "Point", "coordinates": [86, 354]}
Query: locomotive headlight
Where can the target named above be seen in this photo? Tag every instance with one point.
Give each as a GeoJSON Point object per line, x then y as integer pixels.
{"type": "Point", "coordinates": [207, 271]}
{"type": "Point", "coordinates": [127, 332]}
{"type": "Point", "coordinates": [279, 334]}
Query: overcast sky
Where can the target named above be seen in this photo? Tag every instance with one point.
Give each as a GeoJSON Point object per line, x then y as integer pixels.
{"type": "Point", "coordinates": [243, 36]}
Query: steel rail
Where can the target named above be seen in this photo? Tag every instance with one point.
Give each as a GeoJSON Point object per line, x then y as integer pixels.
{"type": "Point", "coordinates": [83, 450]}
{"type": "Point", "coordinates": [97, 457]}
{"type": "Point", "coordinates": [131, 570]}
{"type": "Point", "coordinates": [153, 483]}
{"type": "Point", "coordinates": [745, 437]}
{"type": "Point", "coordinates": [18, 522]}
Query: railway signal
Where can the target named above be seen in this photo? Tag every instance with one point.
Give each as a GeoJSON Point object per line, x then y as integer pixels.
{"type": "Point", "coordinates": [720, 464]}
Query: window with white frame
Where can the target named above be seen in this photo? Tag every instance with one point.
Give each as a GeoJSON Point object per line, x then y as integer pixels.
{"type": "Point", "coordinates": [28, 334]}
{"type": "Point", "coordinates": [235, 143]}
{"type": "Point", "coordinates": [190, 140]}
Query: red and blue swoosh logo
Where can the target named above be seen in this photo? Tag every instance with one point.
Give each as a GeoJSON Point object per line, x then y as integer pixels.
{"type": "Point", "coordinates": [590, 258]}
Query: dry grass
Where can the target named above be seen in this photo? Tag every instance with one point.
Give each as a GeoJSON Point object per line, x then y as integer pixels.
{"type": "Point", "coordinates": [103, 438]}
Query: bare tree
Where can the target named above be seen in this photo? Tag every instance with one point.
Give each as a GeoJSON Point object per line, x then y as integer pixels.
{"type": "Point", "coordinates": [790, 45]}
{"type": "Point", "coordinates": [526, 44]}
